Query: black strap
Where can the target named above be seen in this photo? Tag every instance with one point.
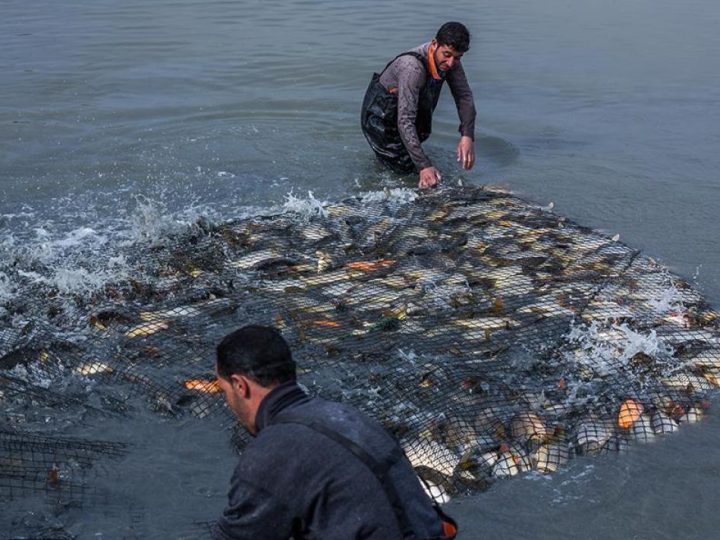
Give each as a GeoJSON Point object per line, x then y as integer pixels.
{"type": "Point", "coordinates": [379, 468]}
{"type": "Point", "coordinates": [409, 53]}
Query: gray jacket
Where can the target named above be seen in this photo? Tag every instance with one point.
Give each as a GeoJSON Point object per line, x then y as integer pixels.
{"type": "Point", "coordinates": [293, 481]}
{"type": "Point", "coordinates": [408, 77]}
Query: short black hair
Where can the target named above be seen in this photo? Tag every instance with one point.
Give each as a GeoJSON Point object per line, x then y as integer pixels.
{"type": "Point", "coordinates": [455, 35]}
{"type": "Point", "coordinates": [258, 352]}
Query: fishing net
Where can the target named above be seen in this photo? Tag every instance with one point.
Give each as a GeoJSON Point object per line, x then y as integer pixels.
{"type": "Point", "coordinates": [52, 464]}
{"type": "Point", "coordinates": [492, 337]}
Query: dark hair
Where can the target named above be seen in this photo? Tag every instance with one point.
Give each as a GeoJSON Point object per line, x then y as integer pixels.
{"type": "Point", "coordinates": [258, 352]}
{"type": "Point", "coordinates": [455, 35]}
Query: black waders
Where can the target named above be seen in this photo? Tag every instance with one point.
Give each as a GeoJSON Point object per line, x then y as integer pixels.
{"type": "Point", "coordinates": [379, 118]}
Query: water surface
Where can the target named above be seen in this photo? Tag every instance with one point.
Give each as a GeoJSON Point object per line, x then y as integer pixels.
{"type": "Point", "coordinates": [121, 119]}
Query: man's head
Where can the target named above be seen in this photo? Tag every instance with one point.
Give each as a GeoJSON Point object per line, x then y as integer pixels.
{"type": "Point", "coordinates": [251, 362]}
{"type": "Point", "coordinates": [451, 42]}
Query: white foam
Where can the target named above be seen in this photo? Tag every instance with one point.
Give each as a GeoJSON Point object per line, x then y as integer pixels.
{"type": "Point", "coordinates": [306, 208]}
{"type": "Point", "coordinates": [18, 215]}
{"type": "Point", "coordinates": [8, 241]}
{"type": "Point", "coordinates": [79, 237]}
{"type": "Point", "coordinates": [636, 342]}
{"type": "Point", "coordinates": [152, 222]}
{"type": "Point", "coordinates": [41, 233]}
{"type": "Point", "coordinates": [83, 259]}
{"type": "Point", "coordinates": [77, 280]}
{"type": "Point", "coordinates": [670, 301]}
{"type": "Point", "coordinates": [408, 356]}
{"type": "Point", "coordinates": [42, 252]}
{"type": "Point", "coordinates": [696, 274]}
{"type": "Point", "coordinates": [605, 348]}
{"type": "Point", "coordinates": [149, 220]}
{"type": "Point", "coordinates": [397, 195]}
{"type": "Point", "coordinates": [32, 276]}
{"type": "Point", "coordinates": [7, 292]}
{"type": "Point", "coordinates": [64, 279]}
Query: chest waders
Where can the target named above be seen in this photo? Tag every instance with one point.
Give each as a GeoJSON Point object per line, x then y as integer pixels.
{"type": "Point", "coordinates": [380, 469]}
{"type": "Point", "coordinates": [379, 118]}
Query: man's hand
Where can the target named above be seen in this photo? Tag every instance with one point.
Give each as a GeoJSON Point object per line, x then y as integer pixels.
{"type": "Point", "coordinates": [466, 152]}
{"type": "Point", "coordinates": [429, 177]}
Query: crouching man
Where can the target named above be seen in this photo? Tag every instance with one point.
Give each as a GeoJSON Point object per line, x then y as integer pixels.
{"type": "Point", "coordinates": [314, 468]}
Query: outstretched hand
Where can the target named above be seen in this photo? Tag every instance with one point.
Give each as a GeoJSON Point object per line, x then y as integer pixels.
{"type": "Point", "coordinates": [429, 177]}
{"type": "Point", "coordinates": [466, 152]}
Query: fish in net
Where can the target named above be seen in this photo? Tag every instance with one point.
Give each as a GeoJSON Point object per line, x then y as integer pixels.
{"type": "Point", "coordinates": [492, 337]}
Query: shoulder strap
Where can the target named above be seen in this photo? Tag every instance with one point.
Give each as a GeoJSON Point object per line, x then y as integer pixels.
{"type": "Point", "coordinates": [379, 468]}
{"type": "Point", "coordinates": [417, 55]}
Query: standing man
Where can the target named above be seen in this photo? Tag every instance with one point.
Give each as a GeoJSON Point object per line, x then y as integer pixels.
{"type": "Point", "coordinates": [314, 469]}
{"type": "Point", "coordinates": [398, 106]}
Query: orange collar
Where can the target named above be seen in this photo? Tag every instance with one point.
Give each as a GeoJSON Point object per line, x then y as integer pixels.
{"type": "Point", "coordinates": [431, 63]}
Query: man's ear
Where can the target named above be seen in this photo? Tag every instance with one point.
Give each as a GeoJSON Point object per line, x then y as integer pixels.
{"type": "Point", "coordinates": [240, 384]}
{"type": "Point", "coordinates": [434, 42]}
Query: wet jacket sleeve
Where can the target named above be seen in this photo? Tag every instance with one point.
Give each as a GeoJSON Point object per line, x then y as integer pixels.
{"type": "Point", "coordinates": [411, 79]}
{"type": "Point", "coordinates": [463, 100]}
{"type": "Point", "coordinates": [252, 513]}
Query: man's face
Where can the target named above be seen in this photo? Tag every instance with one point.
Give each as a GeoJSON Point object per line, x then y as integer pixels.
{"type": "Point", "coordinates": [446, 57]}
{"type": "Point", "coordinates": [235, 400]}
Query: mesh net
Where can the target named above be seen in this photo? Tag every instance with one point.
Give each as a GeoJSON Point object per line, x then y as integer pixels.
{"type": "Point", "coordinates": [490, 336]}
{"type": "Point", "coordinates": [50, 464]}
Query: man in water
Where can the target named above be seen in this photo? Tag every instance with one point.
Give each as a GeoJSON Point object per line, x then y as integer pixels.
{"type": "Point", "coordinates": [314, 468]}
{"type": "Point", "coordinates": [398, 106]}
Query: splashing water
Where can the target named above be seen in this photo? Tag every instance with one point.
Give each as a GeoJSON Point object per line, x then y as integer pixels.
{"type": "Point", "coordinates": [669, 301]}
{"type": "Point", "coordinates": [150, 221]}
{"type": "Point", "coordinates": [607, 348]}
{"type": "Point", "coordinates": [79, 236]}
{"type": "Point", "coordinates": [6, 292]}
{"type": "Point", "coordinates": [636, 342]}
{"type": "Point", "coordinates": [82, 281]}
{"type": "Point", "coordinates": [397, 195]}
{"type": "Point", "coordinates": [305, 208]}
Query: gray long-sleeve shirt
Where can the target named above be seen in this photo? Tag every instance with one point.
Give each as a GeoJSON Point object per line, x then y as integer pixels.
{"type": "Point", "coordinates": [407, 76]}
{"type": "Point", "coordinates": [291, 478]}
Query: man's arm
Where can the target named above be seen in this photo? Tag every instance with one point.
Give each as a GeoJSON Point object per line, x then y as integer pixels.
{"type": "Point", "coordinates": [252, 512]}
{"type": "Point", "coordinates": [411, 79]}
{"type": "Point", "coordinates": [466, 111]}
